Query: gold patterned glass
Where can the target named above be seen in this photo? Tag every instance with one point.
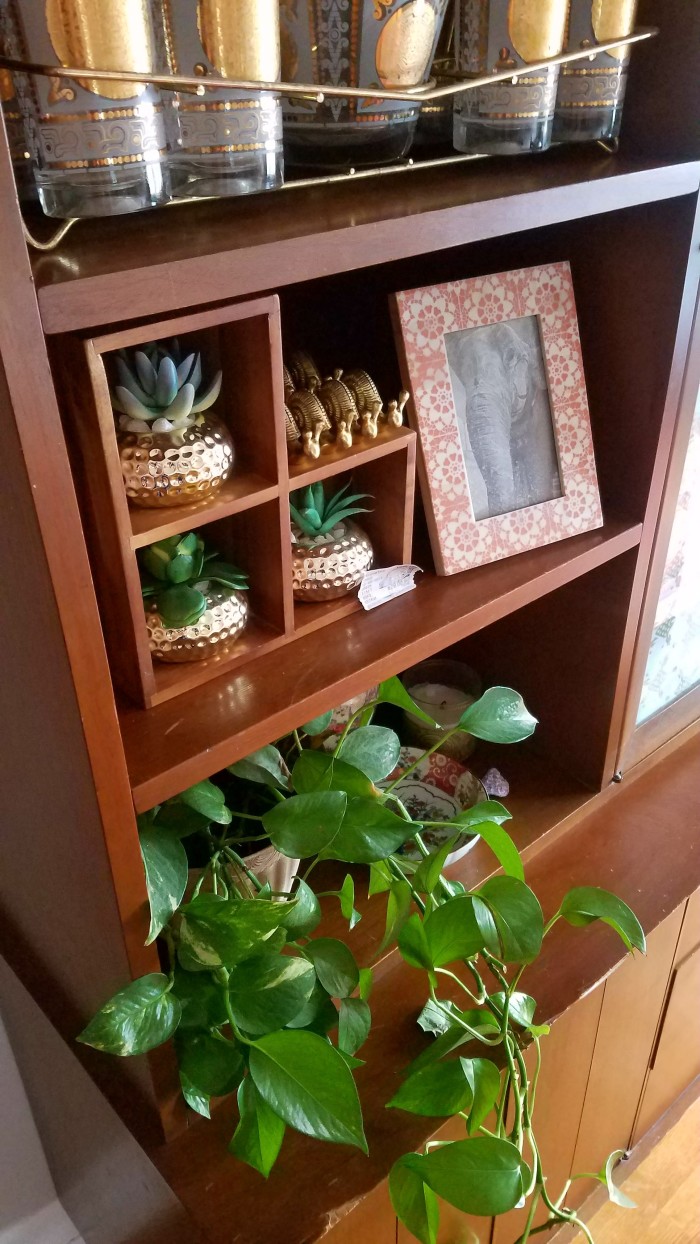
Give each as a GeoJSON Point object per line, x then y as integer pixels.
{"type": "Point", "coordinates": [591, 94]}
{"type": "Point", "coordinates": [223, 142]}
{"type": "Point", "coordinates": [99, 146]}
{"type": "Point", "coordinates": [355, 43]}
{"type": "Point", "coordinates": [514, 115]}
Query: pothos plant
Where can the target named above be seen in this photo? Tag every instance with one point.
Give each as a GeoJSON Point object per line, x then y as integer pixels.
{"type": "Point", "coordinates": [260, 1005]}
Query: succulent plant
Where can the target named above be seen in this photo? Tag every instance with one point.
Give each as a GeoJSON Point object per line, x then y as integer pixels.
{"type": "Point", "coordinates": [157, 389]}
{"type": "Point", "coordinates": [176, 574]}
{"type": "Point", "coordinates": [316, 516]}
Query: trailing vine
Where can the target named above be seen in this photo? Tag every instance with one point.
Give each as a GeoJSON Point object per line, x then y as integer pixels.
{"type": "Point", "coordinates": [258, 1004]}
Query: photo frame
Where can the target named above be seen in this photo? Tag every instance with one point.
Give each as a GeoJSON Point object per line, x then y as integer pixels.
{"type": "Point", "coordinates": [498, 398]}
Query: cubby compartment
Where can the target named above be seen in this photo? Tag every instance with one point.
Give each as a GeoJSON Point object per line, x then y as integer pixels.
{"type": "Point", "coordinates": [389, 479]}
{"type": "Point", "coordinates": [628, 294]}
{"type": "Point", "coordinates": [253, 541]}
{"type": "Point", "coordinates": [246, 519]}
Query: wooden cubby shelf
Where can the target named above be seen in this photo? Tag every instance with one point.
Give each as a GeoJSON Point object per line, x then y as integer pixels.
{"type": "Point", "coordinates": [247, 519]}
{"type": "Point", "coordinates": [174, 745]}
{"type": "Point", "coordinates": [239, 492]}
{"type": "Point", "coordinates": [336, 461]}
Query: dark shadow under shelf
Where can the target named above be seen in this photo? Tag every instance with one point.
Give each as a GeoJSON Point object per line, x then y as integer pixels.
{"type": "Point", "coordinates": [173, 745]}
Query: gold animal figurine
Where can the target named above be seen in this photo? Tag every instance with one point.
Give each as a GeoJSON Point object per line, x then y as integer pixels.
{"type": "Point", "coordinates": [290, 427]}
{"type": "Point", "coordinates": [287, 381]}
{"type": "Point", "coordinates": [340, 406]}
{"type": "Point", "coordinates": [310, 418]}
{"type": "Point", "coordinates": [303, 372]}
{"type": "Point", "coordinates": [394, 411]}
{"type": "Point", "coordinates": [367, 399]}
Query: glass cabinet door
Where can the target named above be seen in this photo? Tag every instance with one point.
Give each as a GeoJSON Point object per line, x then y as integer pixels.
{"type": "Point", "coordinates": [673, 661]}
{"type": "Point", "coordinates": [664, 696]}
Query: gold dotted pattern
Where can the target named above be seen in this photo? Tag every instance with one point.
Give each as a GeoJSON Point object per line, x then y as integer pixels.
{"type": "Point", "coordinates": [327, 571]}
{"type": "Point", "coordinates": [214, 634]}
{"type": "Point", "coordinates": [160, 470]}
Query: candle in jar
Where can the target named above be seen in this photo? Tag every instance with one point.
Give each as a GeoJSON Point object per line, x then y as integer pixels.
{"type": "Point", "coordinates": [444, 704]}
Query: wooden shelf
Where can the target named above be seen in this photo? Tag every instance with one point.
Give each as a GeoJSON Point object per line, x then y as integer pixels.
{"type": "Point", "coordinates": [334, 460]}
{"type": "Point", "coordinates": [162, 261]}
{"type": "Point", "coordinates": [314, 1185]}
{"type": "Point", "coordinates": [309, 617]}
{"type": "Point", "coordinates": [173, 745]}
{"type": "Point", "coordinates": [236, 494]}
{"type": "Point", "coordinates": [175, 679]}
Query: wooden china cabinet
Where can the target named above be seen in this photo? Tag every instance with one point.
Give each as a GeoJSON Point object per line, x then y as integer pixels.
{"type": "Point", "coordinates": [597, 798]}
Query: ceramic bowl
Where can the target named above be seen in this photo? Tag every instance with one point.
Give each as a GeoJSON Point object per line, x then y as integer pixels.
{"type": "Point", "coordinates": [436, 790]}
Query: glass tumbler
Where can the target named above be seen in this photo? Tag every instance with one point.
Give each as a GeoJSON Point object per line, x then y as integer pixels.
{"type": "Point", "coordinates": [591, 93]}
{"type": "Point", "coordinates": [494, 36]}
{"type": "Point", "coordinates": [357, 43]}
{"type": "Point", "coordinates": [98, 145]}
{"type": "Point", "coordinates": [223, 142]}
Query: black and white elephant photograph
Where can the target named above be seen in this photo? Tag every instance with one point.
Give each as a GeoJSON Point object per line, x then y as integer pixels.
{"type": "Point", "coordinates": [499, 383]}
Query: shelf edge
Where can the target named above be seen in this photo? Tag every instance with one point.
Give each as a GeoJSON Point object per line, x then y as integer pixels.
{"type": "Point", "coordinates": [223, 746]}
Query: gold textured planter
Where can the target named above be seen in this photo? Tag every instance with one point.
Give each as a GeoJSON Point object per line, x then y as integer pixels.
{"type": "Point", "coordinates": [214, 634]}
{"type": "Point", "coordinates": [164, 468]}
{"type": "Point", "coordinates": [330, 566]}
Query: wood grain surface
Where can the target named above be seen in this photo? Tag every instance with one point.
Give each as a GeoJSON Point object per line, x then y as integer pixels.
{"type": "Point", "coordinates": [174, 745]}
{"type": "Point", "coordinates": [111, 270]}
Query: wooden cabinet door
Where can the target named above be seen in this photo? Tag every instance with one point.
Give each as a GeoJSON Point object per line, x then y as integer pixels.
{"type": "Point", "coordinates": [676, 1057]}
{"type": "Point", "coordinates": [371, 1220]}
{"type": "Point", "coordinates": [632, 1003]}
{"type": "Point", "coordinates": [567, 1054]}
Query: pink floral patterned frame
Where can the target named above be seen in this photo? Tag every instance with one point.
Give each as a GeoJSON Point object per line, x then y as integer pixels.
{"type": "Point", "coordinates": [422, 318]}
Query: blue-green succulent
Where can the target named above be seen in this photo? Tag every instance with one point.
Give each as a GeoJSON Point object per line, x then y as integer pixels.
{"type": "Point", "coordinates": [159, 391]}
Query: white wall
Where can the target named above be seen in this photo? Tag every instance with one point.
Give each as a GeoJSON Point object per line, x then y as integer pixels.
{"type": "Point", "coordinates": [29, 1210]}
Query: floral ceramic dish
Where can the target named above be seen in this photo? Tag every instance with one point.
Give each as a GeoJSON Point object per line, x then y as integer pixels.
{"type": "Point", "coordinates": [436, 790]}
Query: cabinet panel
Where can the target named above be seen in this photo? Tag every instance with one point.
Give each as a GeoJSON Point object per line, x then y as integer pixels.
{"type": "Point", "coordinates": [628, 1021]}
{"type": "Point", "coordinates": [372, 1219]}
{"type": "Point", "coordinates": [676, 1057]}
{"type": "Point", "coordinates": [567, 1054]}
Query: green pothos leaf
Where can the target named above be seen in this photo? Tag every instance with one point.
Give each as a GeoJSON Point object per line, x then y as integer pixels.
{"type": "Point", "coordinates": [365, 983]}
{"type": "Point", "coordinates": [398, 909]}
{"type": "Point", "coordinates": [617, 1196]}
{"type": "Point", "coordinates": [346, 894]}
{"type": "Point", "coordinates": [135, 1020]}
{"type": "Point", "coordinates": [318, 725]}
{"type": "Point", "coordinates": [374, 750]}
{"type": "Point", "coordinates": [354, 1024]}
{"type": "Point", "coordinates": [165, 865]}
{"type": "Point", "coordinates": [258, 1138]}
{"type": "Point", "coordinates": [482, 1175]}
{"type": "Point", "coordinates": [415, 1204]}
{"type": "Point", "coordinates": [265, 766]}
{"type": "Point", "coordinates": [307, 1082]}
{"type": "Point", "coordinates": [195, 1098]}
{"type": "Point", "coordinates": [588, 903]}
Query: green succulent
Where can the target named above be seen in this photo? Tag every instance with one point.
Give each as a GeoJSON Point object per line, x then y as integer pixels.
{"type": "Point", "coordinates": [176, 573]}
{"type": "Point", "coordinates": [157, 389]}
{"type": "Point", "coordinates": [316, 515]}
